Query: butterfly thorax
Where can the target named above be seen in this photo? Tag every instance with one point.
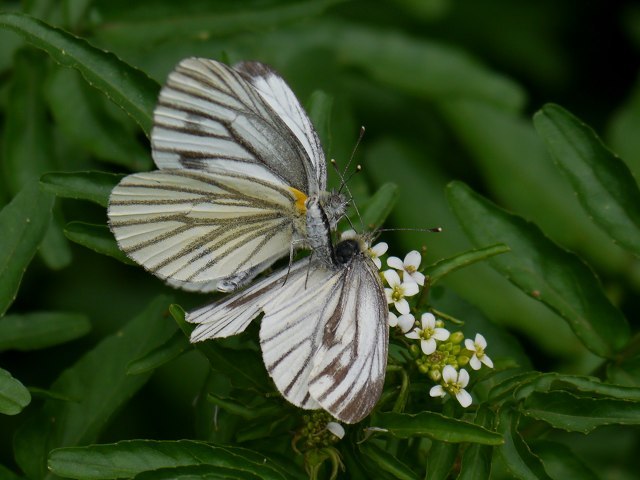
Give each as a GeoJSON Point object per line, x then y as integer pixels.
{"type": "Point", "coordinates": [334, 205]}
{"type": "Point", "coordinates": [318, 227]}
{"type": "Point", "coordinates": [346, 250]}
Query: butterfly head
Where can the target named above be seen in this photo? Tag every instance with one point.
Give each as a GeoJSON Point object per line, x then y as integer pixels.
{"type": "Point", "coordinates": [334, 205]}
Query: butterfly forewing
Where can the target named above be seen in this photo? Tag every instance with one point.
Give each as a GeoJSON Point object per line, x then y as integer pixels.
{"type": "Point", "coordinates": [274, 90]}
{"type": "Point", "coordinates": [209, 115]}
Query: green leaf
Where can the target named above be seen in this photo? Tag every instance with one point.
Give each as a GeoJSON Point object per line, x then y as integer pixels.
{"type": "Point", "coordinates": [232, 406]}
{"type": "Point", "coordinates": [435, 426]}
{"type": "Point", "coordinates": [23, 224]}
{"type": "Point", "coordinates": [99, 382]}
{"type": "Point", "coordinates": [97, 238]}
{"type": "Point", "coordinates": [38, 330]}
{"type": "Point", "coordinates": [7, 474]}
{"type": "Point", "coordinates": [129, 458]}
{"type": "Point", "coordinates": [196, 472]}
{"type": "Point", "coordinates": [189, 23]}
{"type": "Point", "coordinates": [128, 87]}
{"type": "Point", "coordinates": [603, 183]}
{"type": "Point", "coordinates": [93, 186]}
{"type": "Point", "coordinates": [626, 372]}
{"type": "Point", "coordinates": [579, 414]}
{"type": "Point", "coordinates": [26, 135]}
{"type": "Point", "coordinates": [441, 459]}
{"type": "Point", "coordinates": [515, 453]}
{"type": "Point", "coordinates": [54, 249]}
{"type": "Point", "coordinates": [520, 174]}
{"type": "Point", "coordinates": [561, 462]}
{"type": "Point", "coordinates": [543, 270]}
{"type": "Point", "coordinates": [73, 102]}
{"type": "Point", "coordinates": [319, 108]}
{"type": "Point", "coordinates": [379, 206]}
{"type": "Point", "coordinates": [547, 382]}
{"type": "Point", "coordinates": [169, 350]}
{"type": "Point", "coordinates": [446, 266]}
{"type": "Point", "coordinates": [387, 462]}
{"type": "Point", "coordinates": [424, 69]}
{"type": "Point", "coordinates": [476, 459]}
{"type": "Point", "coordinates": [13, 395]}
{"type": "Point", "coordinates": [244, 368]}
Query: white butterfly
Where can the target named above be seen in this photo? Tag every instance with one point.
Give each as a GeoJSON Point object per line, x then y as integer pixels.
{"type": "Point", "coordinates": [239, 162]}
{"type": "Point", "coordinates": [324, 334]}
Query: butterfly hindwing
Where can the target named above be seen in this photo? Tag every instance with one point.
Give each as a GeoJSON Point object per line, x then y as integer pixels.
{"type": "Point", "coordinates": [323, 336]}
{"type": "Point", "coordinates": [349, 366]}
{"type": "Point", "coordinates": [202, 227]}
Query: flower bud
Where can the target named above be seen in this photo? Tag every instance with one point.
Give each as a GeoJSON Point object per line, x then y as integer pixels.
{"type": "Point", "coordinates": [456, 349]}
{"type": "Point", "coordinates": [423, 368]}
{"type": "Point", "coordinates": [435, 375]}
{"type": "Point", "coordinates": [463, 360]}
{"type": "Point", "coordinates": [415, 350]}
{"type": "Point", "coordinates": [456, 337]}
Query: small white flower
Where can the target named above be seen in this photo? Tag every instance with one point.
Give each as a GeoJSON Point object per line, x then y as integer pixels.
{"type": "Point", "coordinates": [408, 267]}
{"type": "Point", "coordinates": [398, 291]}
{"type": "Point", "coordinates": [453, 382]}
{"type": "Point", "coordinates": [428, 334]}
{"type": "Point", "coordinates": [405, 322]}
{"type": "Point", "coordinates": [336, 429]}
{"type": "Point", "coordinates": [477, 346]}
{"type": "Point", "coordinates": [376, 252]}
{"type": "Point", "coordinates": [347, 234]}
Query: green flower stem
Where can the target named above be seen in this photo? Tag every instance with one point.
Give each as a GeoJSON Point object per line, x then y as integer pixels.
{"type": "Point", "coordinates": [446, 317]}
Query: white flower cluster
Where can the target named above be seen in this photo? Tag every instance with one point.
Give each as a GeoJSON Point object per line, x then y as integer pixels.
{"type": "Point", "coordinates": [442, 355]}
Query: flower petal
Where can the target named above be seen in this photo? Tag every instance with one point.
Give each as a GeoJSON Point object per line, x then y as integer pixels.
{"type": "Point", "coordinates": [474, 362]}
{"type": "Point", "coordinates": [437, 391]}
{"type": "Point", "coordinates": [393, 319]}
{"type": "Point", "coordinates": [405, 322]}
{"type": "Point", "coordinates": [410, 288]}
{"type": "Point", "coordinates": [480, 341]}
{"type": "Point", "coordinates": [464, 398]}
{"type": "Point", "coordinates": [441, 334]}
{"type": "Point", "coordinates": [418, 278]}
{"type": "Point", "coordinates": [449, 374]}
{"type": "Point", "coordinates": [380, 248]}
{"type": "Point", "coordinates": [413, 258]}
{"type": "Point", "coordinates": [487, 361]}
{"type": "Point", "coordinates": [402, 306]}
{"type": "Point", "coordinates": [389, 294]}
{"type": "Point", "coordinates": [428, 346]}
{"type": "Point", "coordinates": [395, 262]}
{"type": "Point", "coordinates": [413, 335]}
{"type": "Point", "coordinates": [463, 378]}
{"type": "Point", "coordinates": [392, 278]}
{"type": "Point", "coordinates": [469, 345]}
{"type": "Point", "coordinates": [347, 234]}
{"type": "Point", "coordinates": [428, 320]}
{"type": "Point", "coordinates": [336, 429]}
{"type": "Point", "coordinates": [377, 262]}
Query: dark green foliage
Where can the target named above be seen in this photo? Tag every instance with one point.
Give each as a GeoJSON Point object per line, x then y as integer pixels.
{"type": "Point", "coordinates": [539, 249]}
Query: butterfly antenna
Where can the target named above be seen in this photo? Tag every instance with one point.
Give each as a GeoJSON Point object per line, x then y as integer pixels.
{"type": "Point", "coordinates": [353, 152]}
{"type": "Point", "coordinates": [431, 230]}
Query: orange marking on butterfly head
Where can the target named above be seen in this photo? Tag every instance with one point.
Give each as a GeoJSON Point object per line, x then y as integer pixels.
{"type": "Point", "coordinates": [300, 198]}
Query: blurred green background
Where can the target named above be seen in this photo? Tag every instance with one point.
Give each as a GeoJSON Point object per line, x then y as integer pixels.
{"type": "Point", "coordinates": [446, 90]}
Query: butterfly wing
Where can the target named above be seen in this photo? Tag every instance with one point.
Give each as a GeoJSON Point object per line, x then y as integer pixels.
{"type": "Point", "coordinates": [203, 229]}
{"type": "Point", "coordinates": [209, 114]}
{"type": "Point", "coordinates": [348, 370]}
{"type": "Point", "coordinates": [275, 91]}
